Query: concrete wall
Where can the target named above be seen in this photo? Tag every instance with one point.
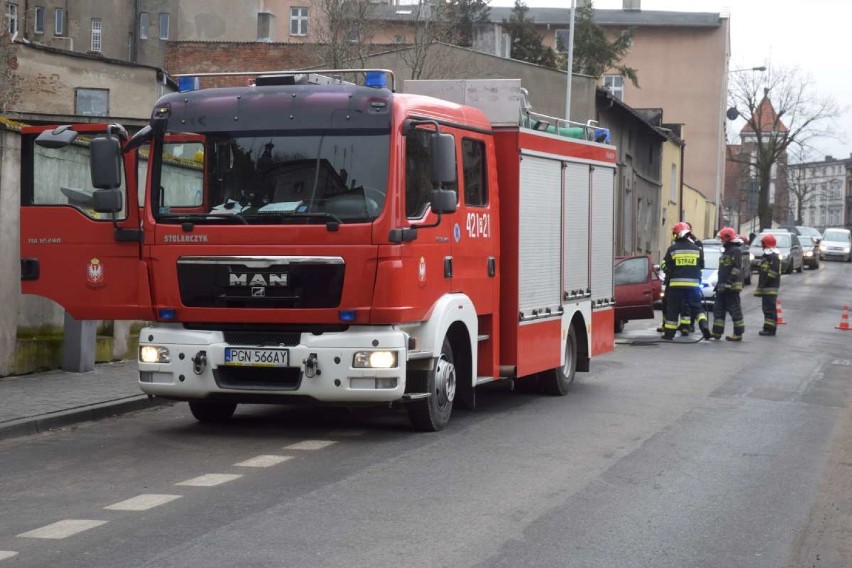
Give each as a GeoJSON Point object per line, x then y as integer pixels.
{"type": "Point", "coordinates": [10, 276]}
{"type": "Point", "coordinates": [683, 71]}
{"type": "Point", "coordinates": [218, 20]}
{"type": "Point", "coordinates": [47, 82]}
{"type": "Point", "coordinates": [669, 208]}
{"type": "Point", "coordinates": [638, 182]}
{"type": "Point", "coordinates": [700, 212]}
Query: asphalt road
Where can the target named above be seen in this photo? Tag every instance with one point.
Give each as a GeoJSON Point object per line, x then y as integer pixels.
{"type": "Point", "coordinates": [666, 455]}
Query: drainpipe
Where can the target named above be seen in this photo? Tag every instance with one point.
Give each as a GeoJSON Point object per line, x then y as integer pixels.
{"type": "Point", "coordinates": [680, 189]}
{"type": "Point", "coordinates": [134, 26]}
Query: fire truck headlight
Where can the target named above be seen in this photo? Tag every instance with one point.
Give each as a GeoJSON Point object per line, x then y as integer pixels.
{"type": "Point", "coordinates": [154, 354]}
{"type": "Point", "coordinates": [374, 360]}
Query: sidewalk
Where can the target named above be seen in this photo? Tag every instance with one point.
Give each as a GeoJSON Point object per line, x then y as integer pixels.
{"type": "Point", "coordinates": [34, 403]}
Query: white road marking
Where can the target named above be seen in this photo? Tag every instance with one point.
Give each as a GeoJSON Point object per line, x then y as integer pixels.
{"type": "Point", "coordinates": [263, 461]}
{"type": "Point", "coordinates": [347, 433]}
{"type": "Point", "coordinates": [310, 445]}
{"type": "Point", "coordinates": [63, 529]}
{"type": "Point", "coordinates": [142, 502]}
{"type": "Point", "coordinates": [210, 480]}
{"type": "Point", "coordinates": [4, 554]}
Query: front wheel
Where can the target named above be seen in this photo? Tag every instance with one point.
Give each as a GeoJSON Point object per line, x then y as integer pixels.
{"type": "Point", "coordinates": [557, 381]}
{"type": "Point", "coordinates": [433, 413]}
{"type": "Point", "coordinates": [212, 412]}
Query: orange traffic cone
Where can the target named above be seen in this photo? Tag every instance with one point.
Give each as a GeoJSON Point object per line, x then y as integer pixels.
{"type": "Point", "coordinates": [778, 312]}
{"type": "Point", "coordinates": [844, 319]}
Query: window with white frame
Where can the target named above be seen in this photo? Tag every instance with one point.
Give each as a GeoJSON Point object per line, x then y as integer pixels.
{"type": "Point", "coordinates": [59, 22]}
{"type": "Point", "coordinates": [299, 21]}
{"type": "Point", "coordinates": [92, 102]}
{"type": "Point", "coordinates": [615, 85]}
{"type": "Point", "coordinates": [96, 35]}
{"type": "Point", "coordinates": [11, 18]}
{"type": "Point", "coordinates": [164, 26]}
{"type": "Point", "coordinates": [38, 20]}
{"type": "Point", "coordinates": [144, 22]}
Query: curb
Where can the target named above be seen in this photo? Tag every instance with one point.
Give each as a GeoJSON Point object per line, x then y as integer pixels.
{"type": "Point", "coordinates": [89, 413]}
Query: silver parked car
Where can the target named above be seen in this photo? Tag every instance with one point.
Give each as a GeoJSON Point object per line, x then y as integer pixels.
{"type": "Point", "coordinates": [836, 243]}
{"type": "Point", "coordinates": [792, 256]}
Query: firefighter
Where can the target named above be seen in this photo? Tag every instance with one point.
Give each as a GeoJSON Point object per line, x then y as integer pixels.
{"type": "Point", "coordinates": [768, 283]}
{"type": "Point", "coordinates": [730, 284]}
{"type": "Point", "coordinates": [687, 320]}
{"type": "Point", "coordinates": [683, 262]}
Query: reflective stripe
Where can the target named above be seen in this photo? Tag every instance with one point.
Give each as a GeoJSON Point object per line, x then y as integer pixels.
{"type": "Point", "coordinates": [701, 317]}
{"type": "Point", "coordinates": [684, 282]}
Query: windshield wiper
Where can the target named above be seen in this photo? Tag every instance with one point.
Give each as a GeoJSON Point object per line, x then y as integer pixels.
{"type": "Point", "coordinates": [333, 222]}
{"type": "Point", "coordinates": [193, 217]}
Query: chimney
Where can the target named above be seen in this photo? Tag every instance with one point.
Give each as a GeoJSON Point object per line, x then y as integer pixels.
{"type": "Point", "coordinates": [633, 5]}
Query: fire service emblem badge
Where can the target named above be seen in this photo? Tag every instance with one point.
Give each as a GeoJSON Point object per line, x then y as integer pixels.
{"type": "Point", "coordinates": [95, 274]}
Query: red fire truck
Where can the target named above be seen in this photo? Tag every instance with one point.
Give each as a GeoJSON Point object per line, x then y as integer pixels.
{"type": "Point", "coordinates": [336, 242]}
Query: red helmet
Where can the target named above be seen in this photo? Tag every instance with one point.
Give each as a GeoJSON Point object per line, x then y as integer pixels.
{"type": "Point", "coordinates": [680, 230]}
{"type": "Point", "coordinates": [727, 234]}
{"type": "Point", "coordinates": [768, 241]}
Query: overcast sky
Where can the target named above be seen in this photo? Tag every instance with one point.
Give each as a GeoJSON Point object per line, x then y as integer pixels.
{"type": "Point", "coordinates": [777, 33]}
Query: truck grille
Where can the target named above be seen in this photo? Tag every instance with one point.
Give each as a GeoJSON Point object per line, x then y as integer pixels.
{"type": "Point", "coordinates": [260, 378]}
{"type": "Point", "coordinates": [276, 282]}
{"type": "Point", "coordinates": [262, 338]}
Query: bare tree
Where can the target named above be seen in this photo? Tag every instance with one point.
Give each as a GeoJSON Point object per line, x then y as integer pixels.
{"type": "Point", "coordinates": [781, 112]}
{"type": "Point", "coordinates": [346, 31]}
{"type": "Point", "coordinates": [429, 25]}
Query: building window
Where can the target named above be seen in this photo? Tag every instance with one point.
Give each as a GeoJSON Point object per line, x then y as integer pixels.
{"type": "Point", "coordinates": [164, 26]}
{"type": "Point", "coordinates": [11, 18]}
{"type": "Point", "coordinates": [96, 35]}
{"type": "Point", "coordinates": [397, 39]}
{"type": "Point", "coordinates": [38, 24]}
{"type": "Point", "coordinates": [563, 37]}
{"type": "Point", "coordinates": [92, 102]}
{"type": "Point", "coordinates": [615, 85]}
{"type": "Point", "coordinates": [59, 22]}
{"type": "Point", "coordinates": [144, 22]}
{"type": "Point", "coordinates": [299, 21]}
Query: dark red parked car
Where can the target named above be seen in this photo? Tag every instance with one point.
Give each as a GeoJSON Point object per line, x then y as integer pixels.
{"type": "Point", "coordinates": [637, 288]}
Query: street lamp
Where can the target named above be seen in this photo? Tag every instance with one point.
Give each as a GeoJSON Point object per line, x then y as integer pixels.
{"type": "Point", "coordinates": [719, 160]}
{"type": "Point", "coordinates": [570, 68]}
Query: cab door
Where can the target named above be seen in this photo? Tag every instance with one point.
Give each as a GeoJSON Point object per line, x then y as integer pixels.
{"type": "Point", "coordinates": [87, 262]}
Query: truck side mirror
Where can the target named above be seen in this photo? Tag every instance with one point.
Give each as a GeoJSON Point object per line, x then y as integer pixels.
{"type": "Point", "coordinates": [105, 162]}
{"type": "Point", "coordinates": [59, 137]}
{"type": "Point", "coordinates": [107, 200]}
{"type": "Point", "coordinates": [443, 201]}
{"type": "Point", "coordinates": [443, 148]}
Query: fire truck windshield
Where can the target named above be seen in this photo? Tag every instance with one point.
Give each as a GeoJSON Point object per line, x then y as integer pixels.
{"type": "Point", "coordinates": [272, 178]}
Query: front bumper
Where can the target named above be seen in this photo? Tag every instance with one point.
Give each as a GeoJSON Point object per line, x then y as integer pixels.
{"type": "Point", "coordinates": [321, 367]}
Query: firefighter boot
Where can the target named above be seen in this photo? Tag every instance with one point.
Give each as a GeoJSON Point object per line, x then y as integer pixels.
{"type": "Point", "coordinates": [766, 332]}
{"type": "Point", "coordinates": [734, 337]}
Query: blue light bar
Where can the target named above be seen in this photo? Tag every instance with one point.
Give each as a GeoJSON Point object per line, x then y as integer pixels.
{"type": "Point", "coordinates": [375, 79]}
{"type": "Point", "coordinates": [187, 84]}
{"type": "Point", "coordinates": [167, 313]}
{"type": "Point", "coordinates": [347, 315]}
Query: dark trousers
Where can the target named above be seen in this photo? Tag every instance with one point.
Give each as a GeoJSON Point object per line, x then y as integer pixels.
{"type": "Point", "coordinates": [682, 299]}
{"type": "Point", "coordinates": [728, 302]}
{"type": "Point", "coordinates": [770, 314]}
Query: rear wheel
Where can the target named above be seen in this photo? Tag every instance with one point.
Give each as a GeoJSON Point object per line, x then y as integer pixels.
{"type": "Point", "coordinates": [557, 381]}
{"type": "Point", "coordinates": [619, 326]}
{"type": "Point", "coordinates": [433, 413]}
{"type": "Point", "coordinates": [207, 411]}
